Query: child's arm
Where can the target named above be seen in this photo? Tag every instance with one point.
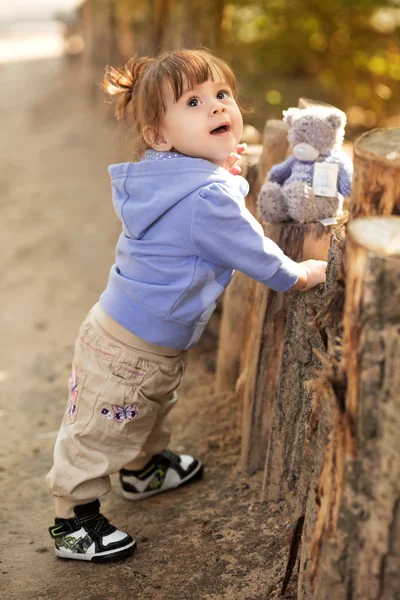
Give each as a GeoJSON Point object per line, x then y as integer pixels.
{"type": "Point", "coordinates": [225, 233]}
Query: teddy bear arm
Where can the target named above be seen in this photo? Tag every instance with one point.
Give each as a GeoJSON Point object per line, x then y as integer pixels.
{"type": "Point", "coordinates": [279, 173]}
{"type": "Point", "coordinates": [345, 178]}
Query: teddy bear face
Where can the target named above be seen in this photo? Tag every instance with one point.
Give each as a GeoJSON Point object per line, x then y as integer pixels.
{"type": "Point", "coordinates": [322, 128]}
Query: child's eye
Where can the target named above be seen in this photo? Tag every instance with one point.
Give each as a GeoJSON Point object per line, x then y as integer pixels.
{"type": "Point", "coordinates": [193, 102]}
{"type": "Point", "coordinates": [222, 94]}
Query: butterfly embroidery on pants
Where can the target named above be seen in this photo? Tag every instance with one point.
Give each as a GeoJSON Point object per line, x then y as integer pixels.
{"type": "Point", "coordinates": [76, 381]}
{"type": "Point", "coordinates": [124, 412]}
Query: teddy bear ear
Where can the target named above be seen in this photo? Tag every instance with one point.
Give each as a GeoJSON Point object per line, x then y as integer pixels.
{"type": "Point", "coordinates": [337, 120]}
{"type": "Point", "coordinates": [289, 114]}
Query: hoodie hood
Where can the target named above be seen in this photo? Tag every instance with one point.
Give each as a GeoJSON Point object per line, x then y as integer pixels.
{"type": "Point", "coordinates": [143, 191]}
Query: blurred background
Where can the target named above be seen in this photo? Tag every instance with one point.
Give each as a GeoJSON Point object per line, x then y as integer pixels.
{"type": "Point", "coordinates": [344, 52]}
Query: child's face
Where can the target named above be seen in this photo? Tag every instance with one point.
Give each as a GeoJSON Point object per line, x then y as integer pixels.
{"type": "Point", "coordinates": [204, 123]}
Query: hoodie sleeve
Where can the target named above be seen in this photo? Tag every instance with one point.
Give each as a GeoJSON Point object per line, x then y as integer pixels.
{"type": "Point", "coordinates": [226, 233]}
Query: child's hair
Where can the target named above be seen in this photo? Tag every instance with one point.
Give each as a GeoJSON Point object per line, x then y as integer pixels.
{"type": "Point", "coordinates": [139, 84]}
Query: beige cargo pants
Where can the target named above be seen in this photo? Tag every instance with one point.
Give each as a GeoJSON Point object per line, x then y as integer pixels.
{"type": "Point", "coordinates": [121, 390]}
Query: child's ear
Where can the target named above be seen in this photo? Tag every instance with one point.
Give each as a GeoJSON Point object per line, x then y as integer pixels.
{"type": "Point", "coordinates": [156, 139]}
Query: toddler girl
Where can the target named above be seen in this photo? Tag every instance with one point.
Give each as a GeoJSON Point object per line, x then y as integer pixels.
{"type": "Point", "coordinates": [185, 228]}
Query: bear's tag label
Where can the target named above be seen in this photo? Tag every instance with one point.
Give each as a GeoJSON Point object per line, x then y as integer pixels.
{"type": "Point", "coordinates": [325, 179]}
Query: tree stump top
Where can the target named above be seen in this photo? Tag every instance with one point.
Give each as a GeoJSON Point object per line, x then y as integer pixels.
{"type": "Point", "coordinates": [380, 145]}
{"type": "Point", "coordinates": [307, 102]}
{"type": "Point", "coordinates": [377, 234]}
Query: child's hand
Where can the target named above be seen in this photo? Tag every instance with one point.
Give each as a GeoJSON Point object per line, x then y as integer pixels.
{"type": "Point", "coordinates": [314, 272]}
{"type": "Point", "coordinates": [233, 157]}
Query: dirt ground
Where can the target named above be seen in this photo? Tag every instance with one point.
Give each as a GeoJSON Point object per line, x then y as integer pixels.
{"type": "Point", "coordinates": [213, 540]}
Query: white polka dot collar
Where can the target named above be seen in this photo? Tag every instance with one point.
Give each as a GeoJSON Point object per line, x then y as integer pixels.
{"type": "Point", "coordinates": [156, 155]}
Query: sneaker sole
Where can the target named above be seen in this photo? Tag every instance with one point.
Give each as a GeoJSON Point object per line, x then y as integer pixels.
{"type": "Point", "coordinates": [195, 475]}
{"type": "Point", "coordinates": [108, 556]}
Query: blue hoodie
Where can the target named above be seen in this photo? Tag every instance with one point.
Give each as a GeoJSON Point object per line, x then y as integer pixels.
{"type": "Point", "coordinates": [185, 229]}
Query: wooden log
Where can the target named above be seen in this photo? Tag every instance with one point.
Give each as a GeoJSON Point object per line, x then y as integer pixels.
{"type": "Point", "coordinates": [272, 341]}
{"type": "Point", "coordinates": [249, 163]}
{"type": "Point", "coordinates": [322, 473]}
{"type": "Point", "coordinates": [307, 102]}
{"type": "Point", "coordinates": [376, 183]}
{"type": "Point", "coordinates": [238, 301]}
{"type": "Point", "coordinates": [275, 148]}
{"type": "Point", "coordinates": [355, 553]}
{"type": "Point", "coordinates": [326, 490]}
{"type": "Point", "coordinates": [176, 29]}
{"type": "Point", "coordinates": [98, 20]}
{"type": "Point", "coordinates": [232, 332]}
{"type": "Point", "coordinates": [280, 358]}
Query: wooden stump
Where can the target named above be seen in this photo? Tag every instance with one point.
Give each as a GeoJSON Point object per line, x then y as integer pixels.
{"type": "Point", "coordinates": [325, 564]}
{"type": "Point", "coordinates": [232, 332]}
{"type": "Point", "coordinates": [376, 183]}
{"type": "Point", "coordinates": [276, 144]}
{"type": "Point", "coordinates": [357, 556]}
{"type": "Point", "coordinates": [322, 474]}
{"type": "Point", "coordinates": [280, 361]}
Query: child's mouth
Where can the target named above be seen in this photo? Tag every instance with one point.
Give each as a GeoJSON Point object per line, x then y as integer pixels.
{"type": "Point", "coordinates": [221, 130]}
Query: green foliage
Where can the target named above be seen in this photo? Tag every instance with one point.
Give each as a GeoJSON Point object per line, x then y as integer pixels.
{"type": "Point", "coordinates": [345, 52]}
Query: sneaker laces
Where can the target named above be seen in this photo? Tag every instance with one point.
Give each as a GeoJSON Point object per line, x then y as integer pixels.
{"type": "Point", "coordinates": [98, 522]}
{"type": "Point", "coordinates": [171, 456]}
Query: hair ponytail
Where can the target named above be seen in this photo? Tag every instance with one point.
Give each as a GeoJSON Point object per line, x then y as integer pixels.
{"type": "Point", "coordinates": [121, 81]}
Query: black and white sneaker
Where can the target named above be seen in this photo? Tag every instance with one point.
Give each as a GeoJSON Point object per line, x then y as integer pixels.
{"type": "Point", "coordinates": [165, 471]}
{"type": "Point", "coordinates": [89, 536]}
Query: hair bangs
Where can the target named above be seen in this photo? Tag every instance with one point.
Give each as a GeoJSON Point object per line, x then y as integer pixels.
{"type": "Point", "coordinates": [185, 70]}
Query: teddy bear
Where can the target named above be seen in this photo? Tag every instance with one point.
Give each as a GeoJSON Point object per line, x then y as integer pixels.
{"type": "Point", "coordinates": [308, 186]}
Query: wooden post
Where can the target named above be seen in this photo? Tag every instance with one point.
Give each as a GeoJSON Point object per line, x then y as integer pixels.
{"type": "Point", "coordinates": [361, 561]}
{"type": "Point", "coordinates": [232, 332]}
{"type": "Point", "coordinates": [275, 148]}
{"type": "Point", "coordinates": [323, 476]}
{"type": "Point", "coordinates": [376, 184]}
{"type": "Point", "coordinates": [280, 361]}
{"type": "Point", "coordinates": [239, 297]}
{"type": "Point", "coordinates": [100, 33]}
{"type": "Point", "coordinates": [331, 520]}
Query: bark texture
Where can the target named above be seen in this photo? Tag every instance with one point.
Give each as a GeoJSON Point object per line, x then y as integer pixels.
{"type": "Point", "coordinates": [324, 447]}
{"type": "Point", "coordinates": [176, 30]}
{"type": "Point", "coordinates": [280, 361]}
{"type": "Point", "coordinates": [115, 30]}
{"type": "Point", "coordinates": [101, 46]}
{"type": "Point", "coordinates": [275, 148]}
{"type": "Point", "coordinates": [237, 298]}
{"type": "Point", "coordinates": [350, 546]}
{"type": "Point", "coordinates": [355, 550]}
{"type": "Point", "coordinates": [376, 184]}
